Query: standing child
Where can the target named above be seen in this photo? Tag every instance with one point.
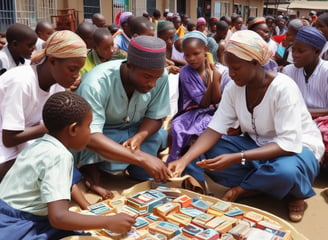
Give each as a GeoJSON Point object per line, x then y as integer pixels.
{"type": "Point", "coordinates": [21, 43]}
{"type": "Point", "coordinates": [199, 93]}
{"type": "Point", "coordinates": [37, 205]}
{"type": "Point", "coordinates": [24, 90]}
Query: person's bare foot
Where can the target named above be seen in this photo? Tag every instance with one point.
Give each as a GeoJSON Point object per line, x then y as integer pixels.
{"type": "Point", "coordinates": [236, 192]}
{"type": "Point", "coordinates": [296, 208]}
{"type": "Point", "coordinates": [103, 192]}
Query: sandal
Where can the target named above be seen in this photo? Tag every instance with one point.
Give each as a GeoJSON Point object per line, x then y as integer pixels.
{"type": "Point", "coordinates": [296, 209]}
{"type": "Point", "coordinates": [194, 185]}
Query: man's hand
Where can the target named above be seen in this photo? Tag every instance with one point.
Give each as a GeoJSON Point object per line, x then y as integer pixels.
{"type": "Point", "coordinates": [155, 167]}
{"type": "Point", "coordinates": [133, 143]}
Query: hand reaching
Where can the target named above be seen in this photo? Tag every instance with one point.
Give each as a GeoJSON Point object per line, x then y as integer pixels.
{"type": "Point", "coordinates": [120, 223]}
{"type": "Point", "coordinates": [176, 168]}
{"type": "Point", "coordinates": [219, 163]}
{"type": "Point", "coordinates": [155, 167]}
{"type": "Point", "coordinates": [133, 143]}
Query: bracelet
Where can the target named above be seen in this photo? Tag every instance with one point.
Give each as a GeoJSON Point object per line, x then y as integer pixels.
{"type": "Point", "coordinates": [243, 158]}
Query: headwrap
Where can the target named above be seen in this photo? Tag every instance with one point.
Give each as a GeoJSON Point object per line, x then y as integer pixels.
{"type": "Point", "coordinates": [200, 21]}
{"type": "Point", "coordinates": [311, 36]}
{"type": "Point", "coordinates": [196, 34]}
{"type": "Point", "coordinates": [164, 26]}
{"type": "Point", "coordinates": [249, 45]}
{"type": "Point", "coordinates": [147, 52]}
{"type": "Point", "coordinates": [124, 17]}
{"type": "Point", "coordinates": [62, 44]}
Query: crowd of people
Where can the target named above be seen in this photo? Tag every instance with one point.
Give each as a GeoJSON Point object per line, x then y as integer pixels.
{"type": "Point", "coordinates": [245, 103]}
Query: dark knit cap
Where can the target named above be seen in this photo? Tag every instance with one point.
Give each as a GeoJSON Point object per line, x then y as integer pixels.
{"type": "Point", "coordinates": [147, 52]}
{"type": "Point", "coordinates": [311, 36]}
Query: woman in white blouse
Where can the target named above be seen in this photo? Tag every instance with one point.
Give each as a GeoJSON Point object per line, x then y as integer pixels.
{"type": "Point", "coordinates": [279, 149]}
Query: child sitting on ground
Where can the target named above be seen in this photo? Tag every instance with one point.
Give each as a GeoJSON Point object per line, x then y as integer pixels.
{"type": "Point", "coordinates": [21, 43]}
{"type": "Point", "coordinates": [37, 204]}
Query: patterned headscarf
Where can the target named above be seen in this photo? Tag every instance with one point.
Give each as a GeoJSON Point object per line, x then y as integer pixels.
{"type": "Point", "coordinates": [248, 45]}
{"type": "Point", "coordinates": [62, 44]}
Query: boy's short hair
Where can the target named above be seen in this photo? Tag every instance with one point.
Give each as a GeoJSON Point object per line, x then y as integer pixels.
{"type": "Point", "coordinates": [20, 32]}
{"type": "Point", "coordinates": [100, 34]}
{"type": "Point", "coordinates": [63, 109]}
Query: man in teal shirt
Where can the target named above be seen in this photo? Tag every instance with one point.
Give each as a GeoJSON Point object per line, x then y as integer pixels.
{"type": "Point", "coordinates": [129, 99]}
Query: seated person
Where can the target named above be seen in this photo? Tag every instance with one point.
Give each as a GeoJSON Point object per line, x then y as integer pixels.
{"type": "Point", "coordinates": [310, 73]}
{"type": "Point", "coordinates": [36, 205]}
{"type": "Point", "coordinates": [21, 43]}
{"type": "Point", "coordinates": [129, 99]}
{"type": "Point", "coordinates": [24, 90]}
{"type": "Point", "coordinates": [199, 94]}
{"type": "Point", "coordinates": [279, 151]}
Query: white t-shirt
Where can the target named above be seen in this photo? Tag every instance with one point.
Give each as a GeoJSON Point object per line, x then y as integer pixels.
{"type": "Point", "coordinates": [21, 102]}
{"type": "Point", "coordinates": [281, 117]}
{"type": "Point", "coordinates": [315, 90]}
{"type": "Point", "coordinates": [7, 62]}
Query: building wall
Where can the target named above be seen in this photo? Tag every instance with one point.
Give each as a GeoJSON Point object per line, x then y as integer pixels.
{"type": "Point", "coordinates": [255, 7]}
{"type": "Point", "coordinates": [106, 7]}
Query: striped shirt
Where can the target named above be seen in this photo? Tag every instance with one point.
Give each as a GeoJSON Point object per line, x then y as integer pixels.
{"type": "Point", "coordinates": [315, 90]}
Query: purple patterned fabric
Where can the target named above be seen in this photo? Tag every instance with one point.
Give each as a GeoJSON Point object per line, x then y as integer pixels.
{"type": "Point", "coordinates": [191, 120]}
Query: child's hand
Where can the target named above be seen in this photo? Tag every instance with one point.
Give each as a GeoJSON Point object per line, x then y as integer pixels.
{"type": "Point", "coordinates": [173, 69]}
{"type": "Point", "coordinates": [120, 223]}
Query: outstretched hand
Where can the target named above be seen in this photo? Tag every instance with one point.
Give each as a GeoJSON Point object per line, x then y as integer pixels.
{"type": "Point", "coordinates": [133, 143]}
{"type": "Point", "coordinates": [219, 163]}
{"type": "Point", "coordinates": [155, 167]}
